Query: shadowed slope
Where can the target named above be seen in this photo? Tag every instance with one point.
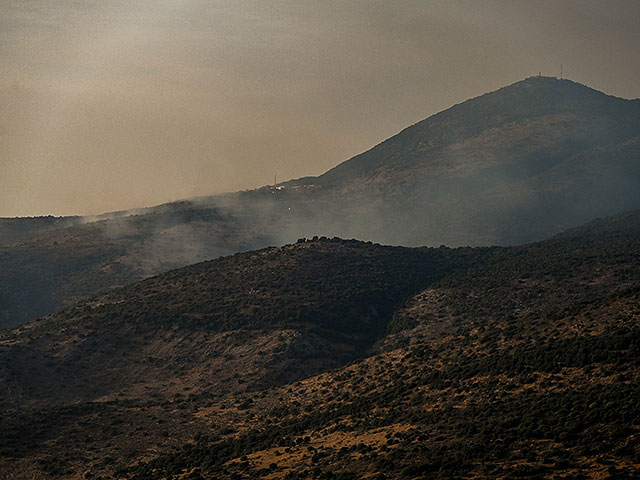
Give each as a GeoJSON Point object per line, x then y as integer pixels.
{"type": "Point", "coordinates": [249, 320]}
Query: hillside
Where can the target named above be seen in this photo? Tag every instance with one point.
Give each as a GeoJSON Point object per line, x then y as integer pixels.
{"type": "Point", "coordinates": [582, 116]}
{"type": "Point", "coordinates": [307, 307]}
{"type": "Point", "coordinates": [56, 268]}
{"type": "Point", "coordinates": [341, 359]}
{"type": "Point", "coordinates": [512, 166]}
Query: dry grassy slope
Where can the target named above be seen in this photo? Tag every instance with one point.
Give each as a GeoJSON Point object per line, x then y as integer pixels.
{"type": "Point", "coordinates": [525, 367]}
{"type": "Point", "coordinates": [524, 364]}
{"type": "Point", "coordinates": [253, 319]}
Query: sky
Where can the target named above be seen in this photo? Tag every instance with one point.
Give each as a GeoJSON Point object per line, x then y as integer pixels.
{"type": "Point", "coordinates": [114, 104]}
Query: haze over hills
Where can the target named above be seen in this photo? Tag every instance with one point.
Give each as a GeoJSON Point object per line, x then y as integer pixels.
{"type": "Point", "coordinates": [442, 283]}
{"type": "Point", "coordinates": [512, 166]}
{"type": "Point", "coordinates": [484, 362]}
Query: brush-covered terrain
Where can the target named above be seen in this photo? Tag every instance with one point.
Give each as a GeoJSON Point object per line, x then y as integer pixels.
{"type": "Point", "coordinates": [57, 267]}
{"type": "Point", "coordinates": [341, 359]}
{"type": "Point", "coordinates": [512, 166]}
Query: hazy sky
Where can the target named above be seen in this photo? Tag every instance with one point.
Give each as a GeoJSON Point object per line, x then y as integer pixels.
{"type": "Point", "coordinates": [112, 104]}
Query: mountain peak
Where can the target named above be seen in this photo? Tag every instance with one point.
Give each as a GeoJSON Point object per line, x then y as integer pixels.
{"type": "Point", "coordinates": [550, 90]}
{"type": "Point", "coordinates": [524, 102]}
{"type": "Point", "coordinates": [547, 81]}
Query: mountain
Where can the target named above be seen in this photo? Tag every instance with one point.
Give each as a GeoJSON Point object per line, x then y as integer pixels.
{"type": "Point", "coordinates": [512, 166]}
{"type": "Point", "coordinates": [509, 167]}
{"type": "Point", "coordinates": [342, 359]}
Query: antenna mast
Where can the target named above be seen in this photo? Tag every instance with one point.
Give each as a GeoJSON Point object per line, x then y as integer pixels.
{"type": "Point", "coordinates": [560, 71]}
